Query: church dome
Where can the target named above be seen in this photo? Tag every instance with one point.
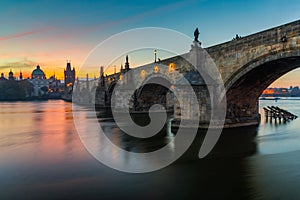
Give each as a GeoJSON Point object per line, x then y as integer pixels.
{"type": "Point", "coordinates": [38, 73]}
{"type": "Point", "coordinates": [2, 78]}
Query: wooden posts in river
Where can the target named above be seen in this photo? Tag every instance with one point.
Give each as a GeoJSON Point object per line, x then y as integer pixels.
{"type": "Point", "coordinates": [277, 113]}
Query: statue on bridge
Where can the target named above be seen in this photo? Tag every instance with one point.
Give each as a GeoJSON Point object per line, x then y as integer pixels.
{"type": "Point", "coordinates": [196, 35]}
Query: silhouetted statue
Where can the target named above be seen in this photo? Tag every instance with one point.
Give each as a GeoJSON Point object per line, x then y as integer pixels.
{"type": "Point", "coordinates": [196, 34]}
{"type": "Point", "coordinates": [237, 37]}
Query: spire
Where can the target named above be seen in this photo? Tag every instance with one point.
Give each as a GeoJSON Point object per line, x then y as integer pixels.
{"type": "Point", "coordinates": [101, 71]}
{"type": "Point", "coordinates": [21, 75]}
{"type": "Point", "coordinates": [68, 68]}
{"type": "Point", "coordinates": [87, 81]}
{"type": "Point", "coordinates": [126, 63]}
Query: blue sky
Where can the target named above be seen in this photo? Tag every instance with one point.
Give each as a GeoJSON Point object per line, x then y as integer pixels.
{"type": "Point", "coordinates": [50, 32]}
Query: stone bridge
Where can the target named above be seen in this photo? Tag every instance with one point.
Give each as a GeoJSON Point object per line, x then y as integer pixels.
{"type": "Point", "coordinates": [247, 66]}
{"type": "Point", "coordinates": [250, 64]}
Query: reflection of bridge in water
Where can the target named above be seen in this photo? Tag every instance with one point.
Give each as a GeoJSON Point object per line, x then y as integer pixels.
{"type": "Point", "coordinates": [247, 66]}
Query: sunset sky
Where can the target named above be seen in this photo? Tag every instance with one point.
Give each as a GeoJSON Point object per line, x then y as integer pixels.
{"type": "Point", "coordinates": [50, 32]}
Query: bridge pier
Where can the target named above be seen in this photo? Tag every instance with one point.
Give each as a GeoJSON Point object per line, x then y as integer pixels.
{"type": "Point", "coordinates": [241, 111]}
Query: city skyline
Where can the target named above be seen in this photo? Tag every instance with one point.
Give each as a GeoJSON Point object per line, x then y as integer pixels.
{"type": "Point", "coordinates": [47, 34]}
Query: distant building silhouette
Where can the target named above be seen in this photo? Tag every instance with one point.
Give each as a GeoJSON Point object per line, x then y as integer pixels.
{"type": "Point", "coordinates": [55, 88]}
{"type": "Point", "coordinates": [36, 87]}
{"type": "Point", "coordinates": [295, 92]}
{"type": "Point", "coordinates": [281, 92]}
{"type": "Point", "coordinates": [21, 76]}
{"type": "Point", "coordinates": [38, 73]}
{"type": "Point", "coordinates": [15, 88]}
{"type": "Point", "coordinates": [2, 78]}
{"type": "Point", "coordinates": [69, 75]}
{"type": "Point", "coordinates": [11, 76]}
{"type": "Point", "coordinates": [39, 82]}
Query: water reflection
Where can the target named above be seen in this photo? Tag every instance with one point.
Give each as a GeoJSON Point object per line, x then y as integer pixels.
{"type": "Point", "coordinates": [279, 138]}
{"type": "Point", "coordinates": [41, 157]}
{"type": "Point", "coordinates": [44, 133]}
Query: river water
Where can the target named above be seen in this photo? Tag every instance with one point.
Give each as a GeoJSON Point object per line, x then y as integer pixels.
{"type": "Point", "coordinates": [42, 157]}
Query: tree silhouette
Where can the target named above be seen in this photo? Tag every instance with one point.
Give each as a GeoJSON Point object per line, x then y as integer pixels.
{"type": "Point", "coordinates": [15, 90]}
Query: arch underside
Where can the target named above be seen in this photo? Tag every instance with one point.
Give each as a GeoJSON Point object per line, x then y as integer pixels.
{"type": "Point", "coordinates": [154, 90]}
{"type": "Point", "coordinates": [243, 94]}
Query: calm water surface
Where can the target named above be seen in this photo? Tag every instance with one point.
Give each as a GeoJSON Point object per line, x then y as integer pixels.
{"type": "Point", "coordinates": [42, 157]}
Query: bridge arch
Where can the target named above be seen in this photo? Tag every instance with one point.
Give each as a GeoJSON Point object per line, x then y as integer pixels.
{"type": "Point", "coordinates": [154, 90]}
{"type": "Point", "coordinates": [246, 85]}
{"type": "Point", "coordinates": [109, 93]}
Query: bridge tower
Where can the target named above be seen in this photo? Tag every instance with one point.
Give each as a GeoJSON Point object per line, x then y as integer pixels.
{"type": "Point", "coordinates": [69, 75]}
